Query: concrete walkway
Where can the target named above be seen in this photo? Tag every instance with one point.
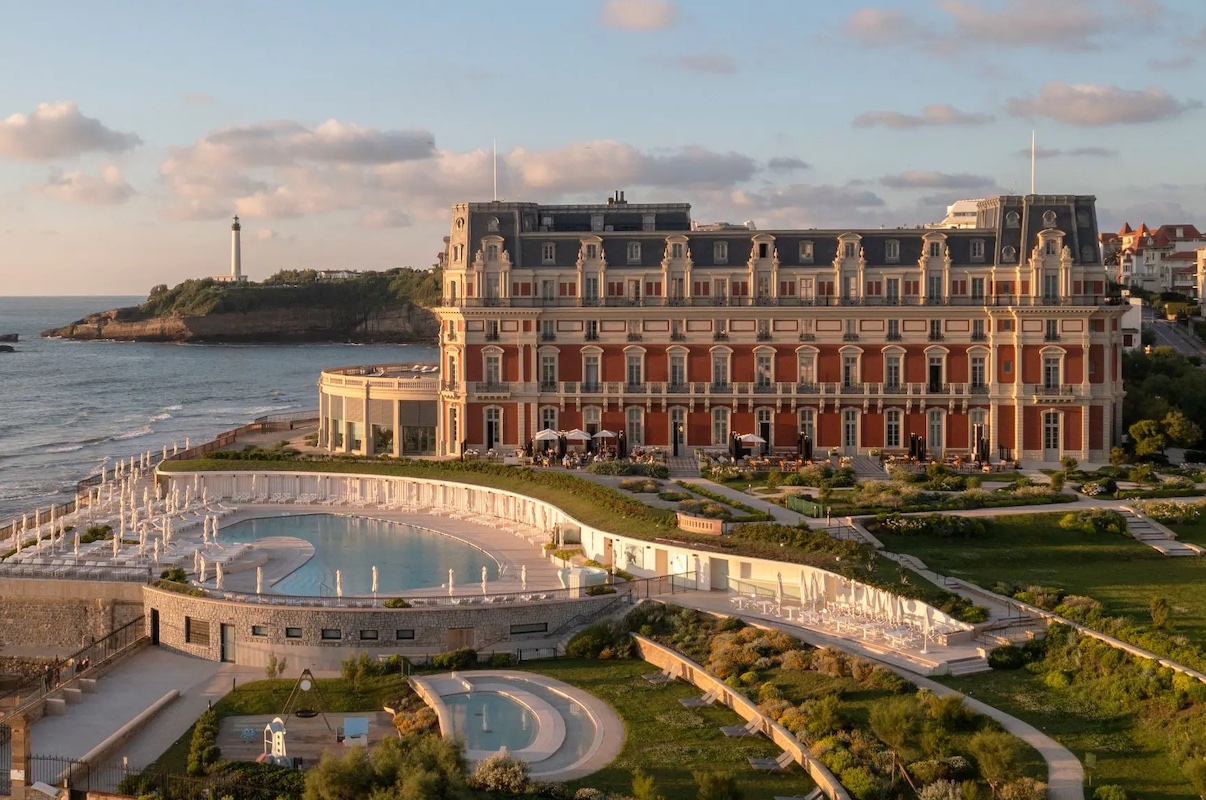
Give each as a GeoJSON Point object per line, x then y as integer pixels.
{"type": "Point", "coordinates": [120, 695]}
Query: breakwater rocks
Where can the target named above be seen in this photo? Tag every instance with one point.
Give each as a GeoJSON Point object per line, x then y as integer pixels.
{"type": "Point", "coordinates": [406, 323]}
{"type": "Point", "coordinates": [7, 348]}
{"type": "Point", "coordinates": [8, 337]}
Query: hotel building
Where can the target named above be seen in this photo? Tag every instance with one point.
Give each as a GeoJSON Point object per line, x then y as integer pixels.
{"type": "Point", "coordinates": [1001, 336]}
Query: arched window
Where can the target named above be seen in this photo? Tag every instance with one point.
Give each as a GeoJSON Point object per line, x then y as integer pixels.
{"type": "Point", "coordinates": [720, 426]}
{"type": "Point", "coordinates": [548, 418]}
{"type": "Point", "coordinates": [592, 419]}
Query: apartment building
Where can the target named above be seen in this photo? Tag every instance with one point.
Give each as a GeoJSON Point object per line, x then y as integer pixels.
{"type": "Point", "coordinates": [622, 316]}
{"type": "Point", "coordinates": [1159, 259]}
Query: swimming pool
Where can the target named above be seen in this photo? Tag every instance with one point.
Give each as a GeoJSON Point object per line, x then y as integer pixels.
{"type": "Point", "coordinates": [406, 557]}
{"type": "Point", "coordinates": [489, 721]}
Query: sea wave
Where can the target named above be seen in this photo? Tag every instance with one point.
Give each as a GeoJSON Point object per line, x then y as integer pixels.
{"type": "Point", "coordinates": [63, 448]}
{"type": "Point", "coordinates": [176, 407]}
{"type": "Point", "coordinates": [160, 417]}
{"type": "Point", "coordinates": [145, 430]}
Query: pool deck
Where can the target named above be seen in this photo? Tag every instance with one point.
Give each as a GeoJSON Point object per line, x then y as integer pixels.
{"type": "Point", "coordinates": [551, 732]}
{"type": "Point", "coordinates": [510, 551]}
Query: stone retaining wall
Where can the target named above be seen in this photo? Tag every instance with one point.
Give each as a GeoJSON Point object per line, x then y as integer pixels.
{"type": "Point", "coordinates": [682, 667]}
{"type": "Point", "coordinates": [322, 637]}
{"type": "Point", "coordinates": [57, 614]}
{"type": "Point", "coordinates": [704, 525]}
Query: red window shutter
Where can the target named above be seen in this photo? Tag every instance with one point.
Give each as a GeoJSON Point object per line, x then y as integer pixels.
{"type": "Point", "coordinates": [468, 290]}
{"type": "Point", "coordinates": [1075, 287]}
{"type": "Point", "coordinates": [1025, 287]}
{"type": "Point", "coordinates": [561, 290]}
{"type": "Point", "coordinates": [515, 289]}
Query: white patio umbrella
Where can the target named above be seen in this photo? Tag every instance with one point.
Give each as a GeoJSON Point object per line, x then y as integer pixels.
{"type": "Point", "coordinates": [547, 435]}
{"type": "Point", "coordinates": [523, 577]}
{"type": "Point", "coordinates": [77, 544]}
{"type": "Point", "coordinates": [451, 578]}
{"type": "Point", "coordinates": [155, 547]}
{"type": "Point", "coordinates": [201, 572]}
{"type": "Point", "coordinates": [196, 561]}
{"type": "Point", "coordinates": [779, 590]}
{"type": "Point", "coordinates": [605, 434]}
{"type": "Point", "coordinates": [259, 580]}
{"type": "Point", "coordinates": [339, 583]}
{"type": "Point", "coordinates": [218, 575]}
{"type": "Point", "coordinates": [484, 576]}
{"type": "Point", "coordinates": [752, 438]}
{"type": "Point", "coordinates": [578, 435]}
{"type": "Point", "coordinates": [803, 587]}
{"type": "Point", "coordinates": [374, 581]}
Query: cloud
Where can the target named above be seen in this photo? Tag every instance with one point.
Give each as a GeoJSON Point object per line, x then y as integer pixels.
{"type": "Point", "coordinates": [588, 166]}
{"type": "Point", "coordinates": [787, 164]}
{"type": "Point", "coordinates": [1090, 104]}
{"type": "Point", "coordinates": [920, 179]}
{"type": "Point", "coordinates": [58, 130]}
{"type": "Point", "coordinates": [639, 15]}
{"type": "Point", "coordinates": [879, 26]}
{"type": "Point", "coordinates": [384, 218]}
{"type": "Point", "coordinates": [264, 234]}
{"type": "Point", "coordinates": [803, 204]}
{"type": "Point", "coordinates": [936, 115]}
{"type": "Point", "coordinates": [198, 99]}
{"type": "Point", "coordinates": [1074, 152]}
{"type": "Point", "coordinates": [107, 189]}
{"type": "Point", "coordinates": [712, 63]}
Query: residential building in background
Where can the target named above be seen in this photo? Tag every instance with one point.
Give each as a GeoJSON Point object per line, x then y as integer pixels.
{"type": "Point", "coordinates": [1162, 259]}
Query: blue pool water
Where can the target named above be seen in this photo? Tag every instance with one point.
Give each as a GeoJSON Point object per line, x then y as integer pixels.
{"type": "Point", "coordinates": [406, 557]}
{"type": "Point", "coordinates": [489, 721]}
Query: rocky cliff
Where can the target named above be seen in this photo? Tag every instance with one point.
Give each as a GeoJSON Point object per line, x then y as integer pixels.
{"type": "Point", "coordinates": [404, 323]}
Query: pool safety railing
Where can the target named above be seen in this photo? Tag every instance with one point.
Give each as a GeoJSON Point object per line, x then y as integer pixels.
{"type": "Point", "coordinates": [640, 588]}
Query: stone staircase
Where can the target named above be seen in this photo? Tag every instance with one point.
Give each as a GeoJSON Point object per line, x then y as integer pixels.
{"type": "Point", "coordinates": [867, 468]}
{"type": "Point", "coordinates": [683, 466]}
{"type": "Point", "coordinates": [972, 665]}
{"type": "Point", "coordinates": [1156, 536]}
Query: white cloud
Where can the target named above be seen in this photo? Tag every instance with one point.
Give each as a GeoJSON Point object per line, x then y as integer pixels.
{"type": "Point", "coordinates": [1091, 151]}
{"type": "Point", "coordinates": [58, 130]}
{"type": "Point", "coordinates": [107, 189]}
{"type": "Point", "coordinates": [1090, 104]}
{"type": "Point", "coordinates": [638, 15]}
{"type": "Point", "coordinates": [936, 115]}
{"type": "Point", "coordinates": [264, 234]}
{"type": "Point", "coordinates": [804, 204]}
{"type": "Point", "coordinates": [879, 26]}
{"type": "Point", "coordinates": [384, 218]}
{"type": "Point", "coordinates": [922, 179]}
{"type": "Point", "coordinates": [592, 166]}
{"type": "Point", "coordinates": [711, 63]}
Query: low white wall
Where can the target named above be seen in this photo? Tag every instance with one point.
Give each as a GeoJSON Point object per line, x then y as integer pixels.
{"type": "Point", "coordinates": [710, 570]}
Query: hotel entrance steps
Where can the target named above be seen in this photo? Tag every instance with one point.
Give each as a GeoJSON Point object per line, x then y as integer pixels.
{"type": "Point", "coordinates": [1156, 536]}
{"type": "Point", "coordinates": [867, 468]}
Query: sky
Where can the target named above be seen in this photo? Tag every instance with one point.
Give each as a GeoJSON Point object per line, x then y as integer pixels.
{"type": "Point", "coordinates": [341, 133]}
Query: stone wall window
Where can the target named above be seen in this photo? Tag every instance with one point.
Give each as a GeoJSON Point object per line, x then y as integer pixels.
{"type": "Point", "coordinates": [259, 630]}
{"type": "Point", "coordinates": [405, 633]}
{"type": "Point", "coordinates": [293, 633]}
{"type": "Point", "coordinates": [368, 635]}
{"type": "Point", "coordinates": [331, 634]}
{"type": "Point", "coordinates": [196, 631]}
{"type": "Point", "coordinates": [531, 627]}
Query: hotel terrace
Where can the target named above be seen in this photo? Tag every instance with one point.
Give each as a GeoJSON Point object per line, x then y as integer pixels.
{"type": "Point", "coordinates": [1001, 339]}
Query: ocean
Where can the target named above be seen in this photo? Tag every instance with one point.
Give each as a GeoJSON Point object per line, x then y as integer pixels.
{"type": "Point", "coordinates": [67, 408]}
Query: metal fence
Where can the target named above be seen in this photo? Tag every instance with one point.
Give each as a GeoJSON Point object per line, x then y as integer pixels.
{"type": "Point", "coordinates": [78, 665]}
{"type": "Point", "coordinates": [76, 572]}
{"type": "Point", "coordinates": [82, 776]}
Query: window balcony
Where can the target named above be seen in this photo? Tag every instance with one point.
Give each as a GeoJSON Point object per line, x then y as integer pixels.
{"type": "Point", "coordinates": [548, 336]}
{"type": "Point", "coordinates": [936, 337]}
{"type": "Point", "coordinates": [721, 388]}
{"type": "Point", "coordinates": [895, 388]}
{"type": "Point", "coordinates": [720, 336]}
{"type": "Point", "coordinates": [1054, 390]}
{"type": "Point", "coordinates": [849, 337]}
{"type": "Point", "coordinates": [497, 388]}
{"type": "Point", "coordinates": [764, 387]}
{"type": "Point", "coordinates": [852, 388]}
{"type": "Point", "coordinates": [764, 336]}
{"type": "Point", "coordinates": [894, 337]}
{"type": "Point", "coordinates": [591, 387]}
{"type": "Point", "coordinates": [636, 388]}
{"type": "Point", "coordinates": [591, 337]}
{"type": "Point", "coordinates": [548, 386]}
{"type": "Point", "coordinates": [634, 337]}
{"type": "Point", "coordinates": [678, 336]}
{"type": "Point", "coordinates": [808, 337]}
{"type": "Point", "coordinates": [807, 388]}
{"type": "Point", "coordinates": [678, 388]}
{"type": "Point", "coordinates": [938, 388]}
{"type": "Point", "coordinates": [1050, 337]}
{"type": "Point", "coordinates": [979, 337]}
{"type": "Point", "coordinates": [978, 388]}
{"type": "Point", "coordinates": [492, 336]}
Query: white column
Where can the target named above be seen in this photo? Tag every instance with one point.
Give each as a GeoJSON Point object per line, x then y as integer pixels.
{"type": "Point", "coordinates": [236, 266]}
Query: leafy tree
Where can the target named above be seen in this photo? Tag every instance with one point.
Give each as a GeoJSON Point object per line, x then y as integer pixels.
{"type": "Point", "coordinates": [1148, 435]}
{"type": "Point", "coordinates": [1161, 611]}
{"type": "Point", "coordinates": [1180, 430]}
{"type": "Point", "coordinates": [897, 723]}
{"type": "Point", "coordinates": [416, 767]}
{"type": "Point", "coordinates": [997, 755]}
{"type": "Point", "coordinates": [643, 787]}
{"type": "Point", "coordinates": [717, 785]}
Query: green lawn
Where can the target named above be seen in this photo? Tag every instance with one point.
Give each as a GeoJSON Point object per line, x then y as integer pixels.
{"type": "Point", "coordinates": [1032, 549]}
{"type": "Point", "coordinates": [1126, 754]}
{"type": "Point", "coordinates": [666, 740]}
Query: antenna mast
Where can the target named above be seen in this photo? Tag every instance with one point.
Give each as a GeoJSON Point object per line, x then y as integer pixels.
{"type": "Point", "coordinates": [1032, 157]}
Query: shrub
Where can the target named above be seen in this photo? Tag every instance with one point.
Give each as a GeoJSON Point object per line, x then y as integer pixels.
{"type": "Point", "coordinates": [1095, 520]}
{"type": "Point", "coordinates": [599, 589]}
{"type": "Point", "coordinates": [940, 790]}
{"type": "Point", "coordinates": [1110, 791]}
{"type": "Point", "coordinates": [643, 786]}
{"type": "Point", "coordinates": [501, 772]}
{"type": "Point", "coordinates": [464, 658]}
{"type": "Point", "coordinates": [275, 667]}
{"type": "Point", "coordinates": [396, 602]}
{"type": "Point", "coordinates": [1006, 657]}
{"type": "Point", "coordinates": [943, 526]}
{"type": "Point", "coordinates": [176, 574]}
{"type": "Point", "coordinates": [1023, 789]}
{"type": "Point", "coordinates": [1058, 479]}
{"type": "Point", "coordinates": [594, 640]}
{"type": "Point", "coordinates": [203, 750]}
{"type": "Point", "coordinates": [418, 720]}
{"type": "Point", "coordinates": [716, 785]}
{"type": "Point", "coordinates": [1171, 511]}
{"type": "Point", "coordinates": [1118, 456]}
{"type": "Point", "coordinates": [502, 660]}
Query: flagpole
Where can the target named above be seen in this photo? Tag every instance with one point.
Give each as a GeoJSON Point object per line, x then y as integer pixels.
{"type": "Point", "coordinates": [1032, 158]}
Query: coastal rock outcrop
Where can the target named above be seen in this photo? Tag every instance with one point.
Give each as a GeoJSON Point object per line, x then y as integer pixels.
{"type": "Point", "coordinates": [7, 348]}
{"type": "Point", "coordinates": [8, 337]}
{"type": "Point", "coordinates": [406, 323]}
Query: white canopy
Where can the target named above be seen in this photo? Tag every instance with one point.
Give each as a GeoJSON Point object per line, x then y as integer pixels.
{"type": "Point", "coordinates": [546, 435]}
{"type": "Point", "coordinates": [578, 435]}
{"type": "Point", "coordinates": [605, 434]}
{"type": "Point", "coordinates": [752, 438]}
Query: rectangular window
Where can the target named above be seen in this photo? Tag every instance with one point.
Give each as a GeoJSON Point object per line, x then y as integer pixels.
{"type": "Point", "coordinates": [678, 370]}
{"type": "Point", "coordinates": [331, 634]}
{"type": "Point", "coordinates": [850, 371]}
{"type": "Point", "coordinates": [592, 252]}
{"type": "Point", "coordinates": [978, 334]}
{"type": "Point", "coordinates": [530, 627]}
{"type": "Point", "coordinates": [892, 250]}
{"type": "Point", "coordinates": [1052, 333]}
{"type": "Point", "coordinates": [762, 368]}
{"type": "Point", "coordinates": [934, 287]}
{"type": "Point", "coordinates": [634, 370]}
{"type": "Point", "coordinates": [548, 371]}
{"type": "Point", "coordinates": [196, 631]}
{"type": "Point", "coordinates": [935, 330]}
{"type": "Point", "coordinates": [805, 252]}
{"type": "Point", "coordinates": [935, 249]}
{"type": "Point", "coordinates": [259, 630]}
{"type": "Point", "coordinates": [404, 633]}
{"type": "Point", "coordinates": [978, 373]}
{"type": "Point", "coordinates": [892, 371]}
{"type": "Point", "coordinates": [977, 288]}
{"type": "Point", "coordinates": [548, 253]}
{"type": "Point", "coordinates": [808, 369]}
{"type": "Point", "coordinates": [893, 330]}
{"type": "Point", "coordinates": [293, 633]}
{"type": "Point", "coordinates": [676, 250]}
{"type": "Point", "coordinates": [368, 635]}
{"type": "Point", "coordinates": [720, 369]}
{"type": "Point", "coordinates": [892, 290]}
{"type": "Point", "coordinates": [720, 426]}
{"type": "Point", "coordinates": [806, 290]}
{"type": "Point", "coordinates": [634, 252]}
{"type": "Point", "coordinates": [1051, 376]}
{"type": "Point", "coordinates": [892, 431]}
{"type": "Point", "coordinates": [763, 250]}
{"type": "Point", "coordinates": [848, 249]}
{"type": "Point", "coordinates": [977, 250]}
{"type": "Point", "coordinates": [720, 252]}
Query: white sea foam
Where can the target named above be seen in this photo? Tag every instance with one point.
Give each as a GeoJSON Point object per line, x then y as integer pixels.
{"type": "Point", "coordinates": [143, 431]}
{"type": "Point", "coordinates": [161, 417]}
{"type": "Point", "coordinates": [64, 448]}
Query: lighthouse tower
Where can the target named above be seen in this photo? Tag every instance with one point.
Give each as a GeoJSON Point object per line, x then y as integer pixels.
{"type": "Point", "coordinates": [236, 264]}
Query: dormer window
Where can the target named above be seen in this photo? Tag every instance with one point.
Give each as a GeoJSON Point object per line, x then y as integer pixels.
{"type": "Point", "coordinates": [892, 250]}
{"type": "Point", "coordinates": [492, 225]}
{"type": "Point", "coordinates": [634, 252]}
{"type": "Point", "coordinates": [491, 252]}
{"type": "Point", "coordinates": [676, 250]}
{"type": "Point", "coordinates": [1008, 253]}
{"type": "Point", "coordinates": [592, 251]}
{"type": "Point", "coordinates": [1049, 219]}
{"type": "Point", "coordinates": [1051, 243]}
{"type": "Point", "coordinates": [935, 249]}
{"type": "Point", "coordinates": [763, 250]}
{"type": "Point", "coordinates": [848, 249]}
{"type": "Point", "coordinates": [805, 252]}
{"type": "Point", "coordinates": [720, 252]}
{"type": "Point", "coordinates": [977, 249]}
{"type": "Point", "coordinates": [548, 253]}
{"type": "Point", "coordinates": [1012, 219]}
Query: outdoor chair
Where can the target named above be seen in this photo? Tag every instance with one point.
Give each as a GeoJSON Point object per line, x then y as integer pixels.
{"type": "Point", "coordinates": [780, 764]}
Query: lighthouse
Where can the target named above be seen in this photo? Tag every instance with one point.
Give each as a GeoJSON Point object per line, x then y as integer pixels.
{"type": "Point", "coordinates": [236, 265]}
